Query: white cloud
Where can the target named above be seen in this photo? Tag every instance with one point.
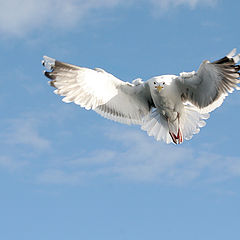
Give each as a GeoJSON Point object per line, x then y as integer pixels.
{"type": "Point", "coordinates": [99, 157]}
{"type": "Point", "coordinates": [139, 158]}
{"type": "Point", "coordinates": [11, 164]}
{"type": "Point", "coordinates": [25, 139]}
{"type": "Point", "coordinates": [166, 4]}
{"type": "Point", "coordinates": [57, 176]}
{"type": "Point", "coordinates": [24, 131]}
{"type": "Point", "coordinates": [18, 17]}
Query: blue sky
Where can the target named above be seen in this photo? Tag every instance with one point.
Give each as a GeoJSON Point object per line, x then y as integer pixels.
{"type": "Point", "coordinates": [67, 173]}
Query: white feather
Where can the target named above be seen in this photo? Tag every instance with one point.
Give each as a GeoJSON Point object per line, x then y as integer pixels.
{"type": "Point", "coordinates": [184, 102]}
{"type": "Point", "coordinates": [232, 53]}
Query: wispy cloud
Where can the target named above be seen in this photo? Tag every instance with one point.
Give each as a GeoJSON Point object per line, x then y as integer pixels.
{"type": "Point", "coordinates": [24, 131]}
{"type": "Point", "coordinates": [11, 164]}
{"type": "Point", "coordinates": [138, 158]}
{"type": "Point", "coordinates": [20, 17]}
{"type": "Point", "coordinates": [58, 176]}
{"type": "Point", "coordinates": [131, 156]}
{"type": "Point", "coordinates": [167, 4]}
{"type": "Point", "coordinates": [31, 129]}
{"type": "Point", "coordinates": [25, 139]}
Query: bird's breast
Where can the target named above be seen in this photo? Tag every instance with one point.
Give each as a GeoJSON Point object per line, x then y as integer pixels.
{"type": "Point", "coordinates": [168, 105]}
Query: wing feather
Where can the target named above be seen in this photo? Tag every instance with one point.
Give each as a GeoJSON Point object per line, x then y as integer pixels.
{"type": "Point", "coordinates": [208, 87]}
{"type": "Point", "coordinates": [98, 90]}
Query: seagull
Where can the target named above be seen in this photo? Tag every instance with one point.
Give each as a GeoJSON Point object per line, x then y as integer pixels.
{"type": "Point", "coordinates": [168, 107]}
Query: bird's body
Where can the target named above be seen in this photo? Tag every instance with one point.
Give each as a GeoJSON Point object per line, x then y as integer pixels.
{"type": "Point", "coordinates": [173, 114]}
{"type": "Point", "coordinates": [170, 108]}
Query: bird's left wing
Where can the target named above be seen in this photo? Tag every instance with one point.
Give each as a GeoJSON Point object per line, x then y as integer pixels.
{"type": "Point", "coordinates": [207, 88]}
{"type": "Point", "coordinates": [101, 91]}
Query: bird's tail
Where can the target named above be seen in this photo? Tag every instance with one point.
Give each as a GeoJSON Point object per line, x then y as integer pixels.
{"type": "Point", "coordinates": [190, 123]}
{"type": "Point", "coordinates": [156, 125]}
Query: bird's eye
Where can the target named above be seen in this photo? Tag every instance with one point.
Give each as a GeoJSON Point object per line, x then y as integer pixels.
{"type": "Point", "coordinates": [154, 82]}
{"type": "Point", "coordinates": [163, 83]}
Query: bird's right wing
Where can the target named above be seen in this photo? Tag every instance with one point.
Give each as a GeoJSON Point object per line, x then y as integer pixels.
{"type": "Point", "coordinates": [207, 88]}
{"type": "Point", "coordinates": [100, 91]}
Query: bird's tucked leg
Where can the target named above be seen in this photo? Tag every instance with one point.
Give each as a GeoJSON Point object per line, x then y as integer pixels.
{"type": "Point", "coordinates": [172, 134]}
{"type": "Point", "coordinates": [179, 138]}
{"type": "Point", "coordinates": [179, 134]}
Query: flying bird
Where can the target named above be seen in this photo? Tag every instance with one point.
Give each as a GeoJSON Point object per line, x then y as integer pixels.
{"type": "Point", "coordinates": [170, 108]}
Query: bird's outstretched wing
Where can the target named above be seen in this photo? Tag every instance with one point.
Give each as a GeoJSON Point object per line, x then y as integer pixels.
{"type": "Point", "coordinates": [207, 88]}
{"type": "Point", "coordinates": [100, 91]}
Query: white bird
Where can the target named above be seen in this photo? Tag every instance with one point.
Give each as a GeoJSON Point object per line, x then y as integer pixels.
{"type": "Point", "coordinates": [170, 108]}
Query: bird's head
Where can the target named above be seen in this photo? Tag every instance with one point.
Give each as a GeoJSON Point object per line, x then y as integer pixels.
{"type": "Point", "coordinates": [157, 84]}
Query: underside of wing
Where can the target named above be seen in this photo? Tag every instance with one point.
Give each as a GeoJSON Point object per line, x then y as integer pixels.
{"type": "Point", "coordinates": [99, 91]}
{"type": "Point", "coordinates": [207, 88]}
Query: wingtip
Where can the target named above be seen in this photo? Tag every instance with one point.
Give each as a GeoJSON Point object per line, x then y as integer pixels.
{"type": "Point", "coordinates": [232, 53]}
{"type": "Point", "coordinates": [48, 62]}
{"type": "Point", "coordinates": [46, 73]}
{"type": "Point", "coordinates": [236, 58]}
{"type": "Point", "coordinates": [51, 83]}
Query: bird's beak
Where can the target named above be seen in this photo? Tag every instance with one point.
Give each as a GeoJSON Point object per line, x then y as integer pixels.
{"type": "Point", "coordinates": [159, 88]}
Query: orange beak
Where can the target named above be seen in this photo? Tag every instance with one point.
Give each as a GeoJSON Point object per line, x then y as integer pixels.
{"type": "Point", "coordinates": [159, 88]}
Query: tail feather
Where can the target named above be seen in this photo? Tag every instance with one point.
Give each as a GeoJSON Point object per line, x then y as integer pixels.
{"type": "Point", "coordinates": [156, 125]}
{"type": "Point", "coordinates": [190, 123]}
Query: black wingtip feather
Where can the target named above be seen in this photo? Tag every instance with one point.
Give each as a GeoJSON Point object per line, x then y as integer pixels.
{"type": "Point", "coordinates": [51, 83]}
{"type": "Point", "coordinates": [224, 60]}
{"type": "Point", "coordinates": [237, 67]}
{"type": "Point", "coordinates": [48, 74]}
